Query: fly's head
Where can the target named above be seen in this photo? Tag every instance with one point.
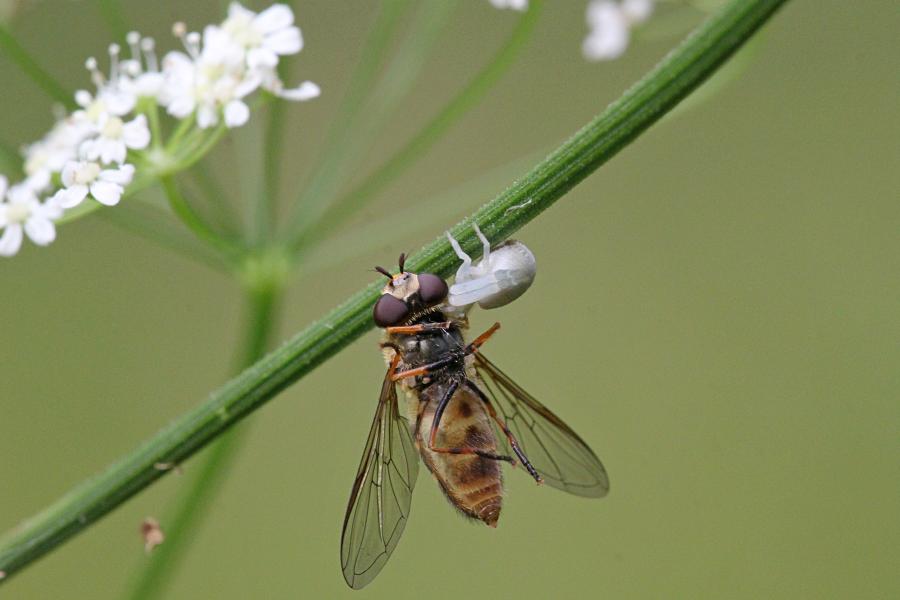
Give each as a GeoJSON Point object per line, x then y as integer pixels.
{"type": "Point", "coordinates": [406, 295]}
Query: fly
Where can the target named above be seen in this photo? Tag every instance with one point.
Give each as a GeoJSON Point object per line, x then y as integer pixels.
{"type": "Point", "coordinates": [464, 417]}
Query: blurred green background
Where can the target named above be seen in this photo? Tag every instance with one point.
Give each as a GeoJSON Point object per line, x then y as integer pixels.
{"type": "Point", "coordinates": [716, 313]}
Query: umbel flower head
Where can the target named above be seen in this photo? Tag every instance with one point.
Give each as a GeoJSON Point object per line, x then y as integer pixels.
{"type": "Point", "coordinates": [225, 64]}
{"type": "Point", "coordinates": [96, 151]}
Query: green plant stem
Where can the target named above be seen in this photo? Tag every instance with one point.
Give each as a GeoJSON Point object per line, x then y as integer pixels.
{"type": "Point", "coordinates": [194, 502]}
{"type": "Point", "coordinates": [148, 223]}
{"type": "Point", "coordinates": [150, 108]}
{"type": "Point", "coordinates": [329, 169]}
{"type": "Point", "coordinates": [399, 77]}
{"type": "Point", "coordinates": [178, 135]}
{"type": "Point", "coordinates": [19, 55]}
{"type": "Point", "coordinates": [330, 217]}
{"type": "Point", "coordinates": [658, 92]}
{"type": "Point", "coordinates": [216, 196]}
{"type": "Point", "coordinates": [273, 141]}
{"type": "Point", "coordinates": [194, 222]}
{"type": "Point", "coordinates": [413, 52]}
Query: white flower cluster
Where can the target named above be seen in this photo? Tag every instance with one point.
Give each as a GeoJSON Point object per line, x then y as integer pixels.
{"type": "Point", "coordinates": [610, 23]}
{"type": "Point", "coordinates": [85, 153]}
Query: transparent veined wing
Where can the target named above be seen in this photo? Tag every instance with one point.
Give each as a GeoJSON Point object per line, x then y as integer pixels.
{"type": "Point", "coordinates": [561, 457]}
{"type": "Point", "coordinates": [382, 492]}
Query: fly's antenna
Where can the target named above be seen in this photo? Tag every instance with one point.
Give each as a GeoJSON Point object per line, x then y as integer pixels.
{"type": "Point", "coordinates": [384, 272]}
{"type": "Point", "coordinates": [402, 261]}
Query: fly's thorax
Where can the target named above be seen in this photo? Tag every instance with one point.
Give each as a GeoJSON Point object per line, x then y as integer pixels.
{"type": "Point", "coordinates": [429, 346]}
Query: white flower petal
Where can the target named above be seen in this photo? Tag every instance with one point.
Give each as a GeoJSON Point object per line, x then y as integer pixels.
{"type": "Point", "coordinates": [262, 58]}
{"type": "Point", "coordinates": [206, 117]}
{"type": "Point", "coordinates": [252, 81]}
{"type": "Point", "coordinates": [236, 113]}
{"type": "Point", "coordinates": [3, 217]}
{"type": "Point", "coordinates": [11, 240]}
{"type": "Point", "coordinates": [235, 9]}
{"type": "Point", "coordinates": [601, 12]}
{"type": "Point", "coordinates": [305, 91]}
{"type": "Point", "coordinates": [72, 196]}
{"type": "Point", "coordinates": [605, 47]}
{"type": "Point", "coordinates": [83, 98]}
{"type": "Point", "coordinates": [637, 11]}
{"type": "Point", "coordinates": [51, 208]}
{"type": "Point", "coordinates": [513, 4]}
{"type": "Point", "coordinates": [136, 134]}
{"type": "Point", "coordinates": [121, 176]}
{"type": "Point", "coordinates": [287, 41]}
{"type": "Point", "coordinates": [181, 107]}
{"type": "Point", "coordinates": [277, 16]}
{"type": "Point", "coordinates": [609, 34]}
{"type": "Point", "coordinates": [41, 231]}
{"type": "Point", "coordinates": [68, 173]}
{"type": "Point", "coordinates": [4, 185]}
{"type": "Point", "coordinates": [112, 152]}
{"type": "Point", "coordinates": [118, 101]}
{"type": "Point", "coordinates": [106, 192]}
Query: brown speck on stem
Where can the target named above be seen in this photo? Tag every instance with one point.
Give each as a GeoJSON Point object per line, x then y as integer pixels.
{"type": "Point", "coordinates": [167, 466]}
{"type": "Point", "coordinates": [152, 534]}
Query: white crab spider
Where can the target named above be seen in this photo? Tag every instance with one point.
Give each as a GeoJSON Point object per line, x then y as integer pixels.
{"type": "Point", "coordinates": [501, 276]}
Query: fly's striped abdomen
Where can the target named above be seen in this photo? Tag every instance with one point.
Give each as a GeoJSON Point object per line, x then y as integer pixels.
{"type": "Point", "coordinates": [472, 483]}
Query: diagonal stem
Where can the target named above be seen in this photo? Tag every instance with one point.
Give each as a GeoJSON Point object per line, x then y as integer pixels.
{"type": "Point", "coordinates": [19, 55]}
{"type": "Point", "coordinates": [658, 92]}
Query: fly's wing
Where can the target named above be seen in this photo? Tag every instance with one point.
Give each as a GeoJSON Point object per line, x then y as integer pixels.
{"type": "Point", "coordinates": [382, 493]}
{"type": "Point", "coordinates": [562, 458]}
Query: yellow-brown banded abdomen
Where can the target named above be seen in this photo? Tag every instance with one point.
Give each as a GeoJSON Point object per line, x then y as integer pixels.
{"type": "Point", "coordinates": [472, 483]}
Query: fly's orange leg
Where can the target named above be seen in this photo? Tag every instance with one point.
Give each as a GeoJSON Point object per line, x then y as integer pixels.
{"type": "Point", "coordinates": [514, 444]}
{"type": "Point", "coordinates": [411, 329]}
{"type": "Point", "coordinates": [423, 370]}
{"type": "Point", "coordinates": [481, 339]}
{"type": "Point", "coordinates": [435, 423]}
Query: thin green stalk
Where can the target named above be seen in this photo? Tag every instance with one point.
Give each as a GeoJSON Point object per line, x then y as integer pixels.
{"type": "Point", "coordinates": [399, 78]}
{"type": "Point", "coordinates": [19, 55]}
{"type": "Point", "coordinates": [194, 502]}
{"type": "Point", "coordinates": [177, 136]}
{"type": "Point", "coordinates": [273, 136]}
{"type": "Point", "coordinates": [150, 108]}
{"type": "Point", "coordinates": [184, 211]}
{"type": "Point", "coordinates": [331, 216]}
{"type": "Point", "coordinates": [216, 196]}
{"type": "Point", "coordinates": [198, 148]}
{"type": "Point", "coordinates": [602, 138]}
{"type": "Point", "coordinates": [327, 173]}
{"type": "Point", "coordinates": [410, 58]}
{"type": "Point", "coordinates": [140, 219]}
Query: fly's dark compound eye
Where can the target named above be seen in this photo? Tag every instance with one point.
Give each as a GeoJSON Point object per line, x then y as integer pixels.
{"type": "Point", "coordinates": [389, 311]}
{"type": "Point", "coordinates": [432, 289]}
